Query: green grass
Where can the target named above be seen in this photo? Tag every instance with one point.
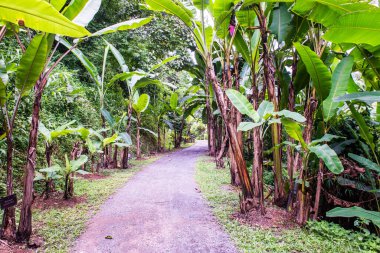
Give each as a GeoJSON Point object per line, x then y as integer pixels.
{"type": "Point", "coordinates": [60, 227]}
{"type": "Point", "coordinates": [248, 239]}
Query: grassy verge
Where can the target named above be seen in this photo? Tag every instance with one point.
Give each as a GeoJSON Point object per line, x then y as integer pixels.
{"type": "Point", "coordinates": [60, 227]}
{"type": "Point", "coordinates": [248, 239]}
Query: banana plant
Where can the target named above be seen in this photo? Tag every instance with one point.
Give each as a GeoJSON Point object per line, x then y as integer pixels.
{"type": "Point", "coordinates": [262, 119]}
{"type": "Point", "coordinates": [66, 171]}
{"type": "Point", "coordinates": [50, 135]}
{"type": "Point", "coordinates": [123, 139]}
{"type": "Point", "coordinates": [48, 175]}
{"type": "Point", "coordinates": [139, 105]}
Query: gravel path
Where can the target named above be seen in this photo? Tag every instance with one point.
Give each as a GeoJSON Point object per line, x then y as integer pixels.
{"type": "Point", "coordinates": [158, 210]}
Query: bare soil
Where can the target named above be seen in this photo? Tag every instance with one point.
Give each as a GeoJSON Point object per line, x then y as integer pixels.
{"type": "Point", "coordinates": [275, 218]}
{"type": "Point", "coordinates": [159, 210]}
{"type": "Point", "coordinates": [56, 201]}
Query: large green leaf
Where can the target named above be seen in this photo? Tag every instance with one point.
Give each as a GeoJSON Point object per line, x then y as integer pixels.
{"type": "Point", "coordinates": [365, 162]}
{"type": "Point", "coordinates": [364, 131]}
{"type": "Point", "coordinates": [32, 64]}
{"type": "Point", "coordinates": [329, 157]}
{"type": "Point", "coordinates": [123, 26]}
{"type": "Point", "coordinates": [58, 4]}
{"type": "Point", "coordinates": [119, 57]}
{"type": "Point", "coordinates": [242, 47]}
{"type": "Point", "coordinates": [39, 15]}
{"type": "Point", "coordinates": [167, 60]}
{"type": "Point", "coordinates": [265, 110]}
{"type": "Point", "coordinates": [110, 140]}
{"type": "Point", "coordinates": [221, 12]}
{"type": "Point", "coordinates": [368, 97]}
{"type": "Point", "coordinates": [90, 67]}
{"type": "Point", "coordinates": [174, 7]}
{"type": "Point", "coordinates": [246, 126]}
{"type": "Point", "coordinates": [174, 100]}
{"type": "Point", "coordinates": [294, 131]}
{"type": "Point", "coordinates": [75, 164]}
{"type": "Point", "coordinates": [142, 103]}
{"type": "Point", "coordinates": [291, 115]}
{"type": "Point", "coordinates": [327, 12]}
{"type": "Point", "coordinates": [242, 104]}
{"type": "Point", "coordinates": [340, 80]}
{"type": "Point", "coordinates": [318, 71]}
{"type": "Point", "coordinates": [281, 18]}
{"type": "Point", "coordinates": [81, 12]}
{"type": "Point", "coordinates": [355, 211]}
{"type": "Point", "coordinates": [107, 116]}
{"type": "Point", "coordinates": [126, 138]}
{"type": "Point", "coordinates": [362, 27]}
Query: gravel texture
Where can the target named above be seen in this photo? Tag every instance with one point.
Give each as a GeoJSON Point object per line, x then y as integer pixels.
{"type": "Point", "coordinates": [159, 210]}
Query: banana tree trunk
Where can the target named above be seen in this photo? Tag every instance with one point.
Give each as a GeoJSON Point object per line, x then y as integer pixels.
{"type": "Point", "coordinates": [138, 148]}
{"type": "Point", "coordinates": [269, 78]}
{"type": "Point", "coordinates": [115, 153]}
{"type": "Point", "coordinates": [25, 226]}
{"type": "Point", "coordinates": [158, 138]}
{"type": "Point", "coordinates": [125, 154]}
{"type": "Point", "coordinates": [210, 124]}
{"type": "Point", "coordinates": [247, 191]}
{"type": "Point", "coordinates": [9, 222]}
{"type": "Point", "coordinates": [303, 197]}
{"type": "Point", "coordinates": [290, 150]}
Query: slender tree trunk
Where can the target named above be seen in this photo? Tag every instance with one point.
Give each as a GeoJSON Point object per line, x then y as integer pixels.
{"type": "Point", "coordinates": [222, 151]}
{"type": "Point", "coordinates": [25, 226]}
{"type": "Point", "coordinates": [210, 124]}
{"type": "Point", "coordinates": [290, 150]}
{"type": "Point", "coordinates": [128, 130]}
{"type": "Point", "coordinates": [115, 153]}
{"type": "Point", "coordinates": [9, 221]}
{"type": "Point", "coordinates": [138, 150]}
{"type": "Point", "coordinates": [303, 196]}
{"type": "Point", "coordinates": [50, 183]}
{"type": "Point", "coordinates": [158, 137]}
{"type": "Point", "coordinates": [269, 78]}
{"type": "Point", "coordinates": [319, 188]}
{"type": "Point", "coordinates": [247, 191]}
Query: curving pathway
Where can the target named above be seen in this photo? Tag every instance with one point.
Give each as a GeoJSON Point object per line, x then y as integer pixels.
{"type": "Point", "coordinates": [158, 210]}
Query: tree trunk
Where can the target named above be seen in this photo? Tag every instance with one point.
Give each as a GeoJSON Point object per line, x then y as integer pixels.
{"type": "Point", "coordinates": [9, 222]}
{"type": "Point", "coordinates": [222, 151]}
{"type": "Point", "coordinates": [128, 130]}
{"type": "Point", "coordinates": [115, 152]}
{"type": "Point", "coordinates": [138, 150]}
{"type": "Point", "coordinates": [25, 226]}
{"type": "Point", "coordinates": [303, 196]}
{"type": "Point", "coordinates": [210, 124]}
{"type": "Point", "coordinates": [290, 150]}
{"type": "Point", "coordinates": [319, 188]}
{"type": "Point", "coordinates": [247, 191]}
{"type": "Point", "coordinates": [158, 137]}
{"type": "Point", "coordinates": [269, 78]}
{"type": "Point", "coordinates": [50, 183]}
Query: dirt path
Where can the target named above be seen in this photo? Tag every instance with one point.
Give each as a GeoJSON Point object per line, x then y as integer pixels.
{"type": "Point", "coordinates": [158, 210]}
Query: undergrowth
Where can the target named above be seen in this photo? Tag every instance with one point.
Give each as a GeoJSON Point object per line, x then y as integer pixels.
{"type": "Point", "coordinates": [314, 238]}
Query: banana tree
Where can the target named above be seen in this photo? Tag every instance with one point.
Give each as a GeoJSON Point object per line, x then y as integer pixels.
{"type": "Point", "coordinates": [116, 125]}
{"type": "Point", "coordinates": [139, 105]}
{"type": "Point", "coordinates": [71, 167]}
{"type": "Point", "coordinates": [48, 175]}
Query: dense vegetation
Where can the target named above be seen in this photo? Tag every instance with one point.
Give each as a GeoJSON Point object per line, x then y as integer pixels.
{"type": "Point", "coordinates": [287, 91]}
